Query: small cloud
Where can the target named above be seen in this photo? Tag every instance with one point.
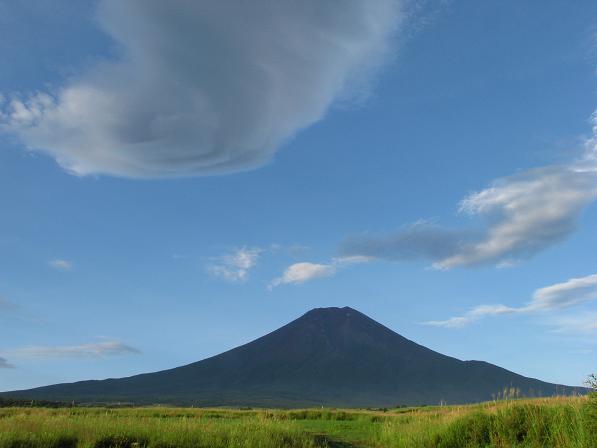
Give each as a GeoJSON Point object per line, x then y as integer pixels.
{"type": "Point", "coordinates": [303, 272]}
{"type": "Point", "coordinates": [507, 264]}
{"type": "Point", "coordinates": [96, 350]}
{"type": "Point", "coordinates": [452, 322]}
{"type": "Point", "coordinates": [298, 273]}
{"type": "Point", "coordinates": [550, 298]}
{"type": "Point", "coordinates": [235, 267]}
{"type": "Point", "coordinates": [4, 364]}
{"type": "Point", "coordinates": [61, 265]}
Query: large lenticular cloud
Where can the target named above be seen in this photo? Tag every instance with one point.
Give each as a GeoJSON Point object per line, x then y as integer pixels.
{"type": "Point", "coordinates": [204, 87]}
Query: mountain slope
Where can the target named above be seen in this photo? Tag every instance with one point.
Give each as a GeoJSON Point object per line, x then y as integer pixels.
{"type": "Point", "coordinates": [329, 356]}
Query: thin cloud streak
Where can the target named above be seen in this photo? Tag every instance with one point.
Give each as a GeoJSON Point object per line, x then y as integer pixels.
{"type": "Point", "coordinates": [575, 291]}
{"type": "Point", "coordinates": [95, 350]}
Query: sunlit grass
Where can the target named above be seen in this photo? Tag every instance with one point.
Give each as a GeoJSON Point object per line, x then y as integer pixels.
{"type": "Point", "coordinates": [554, 422]}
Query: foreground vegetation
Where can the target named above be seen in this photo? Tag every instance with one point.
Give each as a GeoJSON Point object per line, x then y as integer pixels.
{"type": "Point", "coordinates": [554, 422]}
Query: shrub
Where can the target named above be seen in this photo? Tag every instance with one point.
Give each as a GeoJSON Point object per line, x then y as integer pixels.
{"type": "Point", "coordinates": [121, 441]}
{"type": "Point", "coordinates": [36, 441]}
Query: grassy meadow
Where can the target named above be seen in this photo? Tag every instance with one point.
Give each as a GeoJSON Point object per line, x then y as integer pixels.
{"type": "Point", "coordinates": [550, 422]}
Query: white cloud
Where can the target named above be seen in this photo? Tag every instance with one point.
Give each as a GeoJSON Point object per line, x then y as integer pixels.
{"type": "Point", "coordinates": [4, 364]}
{"type": "Point", "coordinates": [96, 350]}
{"type": "Point", "coordinates": [205, 87]}
{"type": "Point", "coordinates": [61, 265]}
{"type": "Point", "coordinates": [563, 295]}
{"type": "Point", "coordinates": [524, 214]}
{"type": "Point", "coordinates": [473, 315]}
{"type": "Point", "coordinates": [298, 273]}
{"type": "Point", "coordinates": [573, 292]}
{"type": "Point", "coordinates": [236, 266]}
{"type": "Point", "coordinates": [303, 272]}
{"type": "Point", "coordinates": [527, 213]}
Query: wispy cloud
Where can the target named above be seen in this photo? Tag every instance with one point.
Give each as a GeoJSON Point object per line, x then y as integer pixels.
{"type": "Point", "coordinates": [4, 364]}
{"type": "Point", "coordinates": [235, 267]}
{"type": "Point", "coordinates": [190, 99]}
{"type": "Point", "coordinates": [298, 273]}
{"type": "Point", "coordinates": [525, 214]}
{"type": "Point", "coordinates": [94, 350]}
{"type": "Point", "coordinates": [586, 324]}
{"type": "Point", "coordinates": [573, 292]}
{"type": "Point", "coordinates": [6, 305]}
{"type": "Point", "coordinates": [61, 265]}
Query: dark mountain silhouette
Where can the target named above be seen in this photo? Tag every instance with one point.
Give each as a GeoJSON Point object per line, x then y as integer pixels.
{"type": "Point", "coordinates": [329, 356]}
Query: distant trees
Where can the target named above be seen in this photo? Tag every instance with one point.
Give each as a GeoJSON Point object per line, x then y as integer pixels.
{"type": "Point", "coordinates": [591, 381]}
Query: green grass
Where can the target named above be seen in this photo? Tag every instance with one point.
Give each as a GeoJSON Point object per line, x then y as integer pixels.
{"type": "Point", "coordinates": [556, 422]}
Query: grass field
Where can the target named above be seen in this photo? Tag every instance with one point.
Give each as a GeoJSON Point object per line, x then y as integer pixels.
{"type": "Point", "coordinates": [554, 422]}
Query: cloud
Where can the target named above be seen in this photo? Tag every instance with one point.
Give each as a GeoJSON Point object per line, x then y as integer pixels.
{"type": "Point", "coordinates": [528, 213]}
{"type": "Point", "coordinates": [4, 364]}
{"type": "Point", "coordinates": [235, 267]}
{"type": "Point", "coordinates": [298, 273]}
{"type": "Point", "coordinates": [61, 265]}
{"type": "Point", "coordinates": [96, 350]}
{"type": "Point", "coordinates": [473, 315]}
{"type": "Point", "coordinates": [420, 240]}
{"type": "Point", "coordinates": [524, 214]}
{"type": "Point", "coordinates": [583, 324]}
{"type": "Point", "coordinates": [5, 305]}
{"type": "Point", "coordinates": [205, 87]}
{"type": "Point", "coordinates": [563, 295]}
{"type": "Point", "coordinates": [573, 292]}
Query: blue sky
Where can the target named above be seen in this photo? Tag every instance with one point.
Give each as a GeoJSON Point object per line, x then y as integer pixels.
{"type": "Point", "coordinates": [429, 164]}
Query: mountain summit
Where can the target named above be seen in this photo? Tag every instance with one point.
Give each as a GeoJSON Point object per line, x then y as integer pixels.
{"type": "Point", "coordinates": [328, 356]}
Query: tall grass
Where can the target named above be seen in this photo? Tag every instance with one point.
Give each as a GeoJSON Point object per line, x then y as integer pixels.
{"type": "Point", "coordinates": [36, 429]}
{"type": "Point", "coordinates": [558, 423]}
{"type": "Point", "coordinates": [554, 422]}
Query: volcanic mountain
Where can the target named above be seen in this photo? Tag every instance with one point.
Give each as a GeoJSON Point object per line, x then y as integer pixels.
{"type": "Point", "coordinates": [327, 357]}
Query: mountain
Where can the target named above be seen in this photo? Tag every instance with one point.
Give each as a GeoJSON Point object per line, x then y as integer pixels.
{"type": "Point", "coordinates": [327, 357]}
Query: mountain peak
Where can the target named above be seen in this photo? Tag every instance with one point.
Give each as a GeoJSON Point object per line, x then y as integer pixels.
{"type": "Point", "coordinates": [333, 317]}
{"type": "Point", "coordinates": [332, 310]}
{"type": "Point", "coordinates": [335, 356]}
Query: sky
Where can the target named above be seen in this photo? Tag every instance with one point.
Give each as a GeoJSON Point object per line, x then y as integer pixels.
{"type": "Point", "coordinates": [179, 178]}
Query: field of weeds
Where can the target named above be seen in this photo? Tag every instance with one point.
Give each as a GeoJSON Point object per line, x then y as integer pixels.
{"type": "Point", "coordinates": [554, 422]}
